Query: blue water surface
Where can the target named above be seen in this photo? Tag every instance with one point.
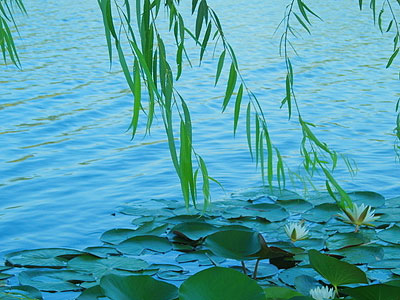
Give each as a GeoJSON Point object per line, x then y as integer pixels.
{"type": "Point", "coordinates": [67, 160]}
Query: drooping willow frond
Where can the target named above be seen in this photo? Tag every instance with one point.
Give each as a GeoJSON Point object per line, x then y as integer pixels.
{"type": "Point", "coordinates": [7, 46]}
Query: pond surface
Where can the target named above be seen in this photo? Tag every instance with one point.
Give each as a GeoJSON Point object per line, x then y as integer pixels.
{"type": "Point", "coordinates": [67, 161]}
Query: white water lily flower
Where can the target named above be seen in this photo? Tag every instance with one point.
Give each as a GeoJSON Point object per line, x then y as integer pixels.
{"type": "Point", "coordinates": [296, 231]}
{"type": "Point", "coordinates": [358, 215]}
{"type": "Point", "coordinates": [322, 293]}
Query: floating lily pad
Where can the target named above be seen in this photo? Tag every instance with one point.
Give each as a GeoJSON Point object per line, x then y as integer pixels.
{"type": "Point", "coordinates": [137, 288]}
{"type": "Point", "coordinates": [117, 235]}
{"type": "Point", "coordinates": [41, 258]}
{"type": "Point", "coordinates": [381, 275]}
{"type": "Point", "coordinates": [304, 284]}
{"type": "Point", "coordinates": [101, 251]}
{"type": "Point", "coordinates": [321, 213]}
{"type": "Point", "coordinates": [385, 264]}
{"type": "Point", "coordinates": [187, 218]}
{"type": "Point", "coordinates": [280, 292]}
{"type": "Point", "coordinates": [392, 202]}
{"type": "Point", "coordinates": [235, 244]}
{"type": "Point", "coordinates": [171, 275]}
{"type": "Point", "coordinates": [368, 198]}
{"type": "Point", "coordinates": [391, 251]}
{"type": "Point", "coordinates": [374, 292]}
{"type": "Point", "coordinates": [4, 276]}
{"type": "Point", "coordinates": [20, 292]}
{"type": "Point", "coordinates": [204, 257]}
{"type": "Point", "coordinates": [391, 235]}
{"type": "Point", "coordinates": [220, 283]}
{"type": "Point", "coordinates": [137, 244]}
{"type": "Point", "coordinates": [361, 254]}
{"type": "Point", "coordinates": [295, 205]}
{"type": "Point", "coordinates": [388, 214]}
{"type": "Point", "coordinates": [99, 267]}
{"type": "Point", "coordinates": [264, 269]}
{"type": "Point", "coordinates": [54, 281]}
{"type": "Point", "coordinates": [342, 240]}
{"type": "Point", "coordinates": [193, 230]}
{"type": "Point", "coordinates": [289, 276]}
{"type": "Point", "coordinates": [93, 293]}
{"type": "Point", "coordinates": [317, 244]}
{"type": "Point", "coordinates": [322, 197]}
{"type": "Point", "coordinates": [335, 271]}
{"type": "Point", "coordinates": [271, 212]}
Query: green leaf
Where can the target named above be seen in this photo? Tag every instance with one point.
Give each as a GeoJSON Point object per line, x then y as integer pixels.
{"type": "Point", "coordinates": [374, 292]}
{"type": "Point", "coordinates": [99, 267]}
{"type": "Point", "coordinates": [235, 244]}
{"type": "Point", "coordinates": [230, 87]}
{"type": "Point", "coordinates": [136, 245]}
{"type": "Point", "coordinates": [220, 283]}
{"type": "Point", "coordinates": [392, 58]}
{"type": "Point", "coordinates": [368, 198]}
{"type": "Point", "coordinates": [41, 258]}
{"type": "Point", "coordinates": [280, 293]}
{"type": "Point", "coordinates": [335, 271]}
{"type": "Point", "coordinates": [302, 23]}
{"type": "Point", "coordinates": [220, 66]}
{"type": "Point", "coordinates": [391, 235]}
{"type": "Point", "coordinates": [237, 108]}
{"type": "Point", "coordinates": [140, 287]}
{"type": "Point", "coordinates": [53, 281]}
{"type": "Point", "coordinates": [193, 230]}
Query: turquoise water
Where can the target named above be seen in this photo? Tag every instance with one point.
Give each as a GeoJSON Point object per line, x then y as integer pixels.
{"type": "Point", "coordinates": [67, 161]}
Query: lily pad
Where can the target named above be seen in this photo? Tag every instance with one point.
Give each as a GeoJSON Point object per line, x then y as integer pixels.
{"type": "Point", "coordinates": [235, 244]}
{"type": "Point", "coordinates": [280, 292]}
{"type": "Point", "coordinates": [137, 244]}
{"type": "Point", "coordinates": [193, 230]}
{"type": "Point", "coordinates": [54, 281]}
{"type": "Point", "coordinates": [270, 212]}
{"type": "Point", "coordinates": [361, 254]}
{"type": "Point", "coordinates": [342, 240]}
{"type": "Point", "coordinates": [137, 288]}
{"type": "Point", "coordinates": [41, 258]}
{"type": "Point", "coordinates": [391, 235]}
{"type": "Point", "coordinates": [321, 213]}
{"type": "Point", "coordinates": [335, 271]}
{"type": "Point", "coordinates": [101, 251]}
{"type": "Point", "coordinates": [92, 293]}
{"type": "Point", "coordinates": [220, 283]}
{"type": "Point", "coordinates": [289, 276]}
{"type": "Point", "coordinates": [368, 198]}
{"type": "Point", "coordinates": [317, 244]}
{"type": "Point", "coordinates": [99, 267]}
{"type": "Point", "coordinates": [20, 292]}
{"type": "Point", "coordinates": [117, 235]}
{"type": "Point", "coordinates": [4, 276]}
{"type": "Point", "coordinates": [295, 205]}
{"type": "Point", "coordinates": [204, 257]}
{"type": "Point", "coordinates": [374, 292]}
{"type": "Point", "coordinates": [392, 202]}
{"type": "Point", "coordinates": [388, 214]}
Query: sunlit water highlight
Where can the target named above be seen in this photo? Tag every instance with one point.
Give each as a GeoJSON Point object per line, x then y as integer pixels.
{"type": "Point", "coordinates": [67, 161]}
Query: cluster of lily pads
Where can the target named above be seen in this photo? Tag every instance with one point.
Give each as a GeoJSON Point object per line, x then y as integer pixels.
{"type": "Point", "coordinates": [263, 243]}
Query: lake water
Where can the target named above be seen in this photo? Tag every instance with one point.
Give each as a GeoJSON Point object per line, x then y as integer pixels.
{"type": "Point", "coordinates": [67, 161]}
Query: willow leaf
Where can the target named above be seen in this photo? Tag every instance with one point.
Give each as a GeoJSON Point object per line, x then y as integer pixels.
{"type": "Point", "coordinates": [237, 108]}
{"type": "Point", "coordinates": [302, 23]}
{"type": "Point", "coordinates": [288, 95]}
{"type": "Point", "coordinates": [137, 93]}
{"type": "Point", "coordinates": [230, 87]}
{"type": "Point", "coordinates": [392, 57]}
{"type": "Point", "coordinates": [220, 66]}
{"type": "Point", "coordinates": [205, 40]}
{"type": "Point", "coordinates": [248, 128]}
